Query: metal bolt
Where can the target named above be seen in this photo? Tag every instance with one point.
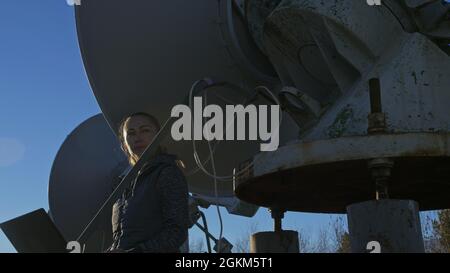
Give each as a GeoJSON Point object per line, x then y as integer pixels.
{"type": "Point", "coordinates": [381, 171]}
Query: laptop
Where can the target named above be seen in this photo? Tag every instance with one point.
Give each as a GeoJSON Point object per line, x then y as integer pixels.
{"type": "Point", "coordinates": [34, 232]}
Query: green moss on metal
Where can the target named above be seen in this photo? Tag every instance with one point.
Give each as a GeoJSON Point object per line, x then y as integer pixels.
{"type": "Point", "coordinates": [341, 122]}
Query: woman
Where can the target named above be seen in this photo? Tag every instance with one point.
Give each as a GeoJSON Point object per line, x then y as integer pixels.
{"type": "Point", "coordinates": [152, 214]}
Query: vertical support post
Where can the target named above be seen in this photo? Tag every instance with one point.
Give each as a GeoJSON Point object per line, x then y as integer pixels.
{"type": "Point", "coordinates": [285, 241]}
{"type": "Point", "coordinates": [277, 241]}
{"type": "Point", "coordinates": [385, 226]}
{"type": "Point", "coordinates": [277, 215]}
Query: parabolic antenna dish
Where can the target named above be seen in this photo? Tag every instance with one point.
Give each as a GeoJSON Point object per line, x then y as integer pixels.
{"type": "Point", "coordinates": [145, 55]}
{"type": "Point", "coordinates": [83, 174]}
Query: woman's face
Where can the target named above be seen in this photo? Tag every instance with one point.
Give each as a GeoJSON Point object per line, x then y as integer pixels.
{"type": "Point", "coordinates": [138, 134]}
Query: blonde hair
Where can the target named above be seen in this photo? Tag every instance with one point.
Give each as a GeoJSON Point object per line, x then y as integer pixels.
{"type": "Point", "coordinates": [131, 157]}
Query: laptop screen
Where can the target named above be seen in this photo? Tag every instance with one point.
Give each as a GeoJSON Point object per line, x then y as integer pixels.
{"type": "Point", "coordinates": [34, 232]}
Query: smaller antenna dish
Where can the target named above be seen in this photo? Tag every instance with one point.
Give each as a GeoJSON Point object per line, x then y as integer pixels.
{"type": "Point", "coordinates": [86, 166]}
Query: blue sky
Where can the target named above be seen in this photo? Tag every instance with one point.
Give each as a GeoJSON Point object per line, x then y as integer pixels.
{"type": "Point", "coordinates": [44, 95]}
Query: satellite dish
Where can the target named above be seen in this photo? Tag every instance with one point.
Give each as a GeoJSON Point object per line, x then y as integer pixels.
{"type": "Point", "coordinates": [81, 179]}
{"type": "Point", "coordinates": [145, 55]}
{"type": "Point", "coordinates": [87, 167]}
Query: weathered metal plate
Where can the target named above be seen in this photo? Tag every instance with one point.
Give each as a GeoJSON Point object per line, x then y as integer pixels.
{"type": "Point", "coordinates": [326, 176]}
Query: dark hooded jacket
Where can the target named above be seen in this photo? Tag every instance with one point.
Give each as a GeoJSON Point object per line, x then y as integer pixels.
{"type": "Point", "coordinates": [152, 214]}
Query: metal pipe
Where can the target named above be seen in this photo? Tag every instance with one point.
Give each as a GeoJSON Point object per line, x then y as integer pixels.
{"type": "Point", "coordinates": [375, 96]}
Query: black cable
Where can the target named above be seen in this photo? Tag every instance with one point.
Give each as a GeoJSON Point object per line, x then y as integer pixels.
{"type": "Point", "coordinates": [205, 224]}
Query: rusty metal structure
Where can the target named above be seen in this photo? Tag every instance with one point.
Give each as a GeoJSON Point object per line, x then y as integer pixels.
{"type": "Point", "coordinates": [364, 89]}
{"type": "Point", "coordinates": [369, 89]}
{"type": "Point", "coordinates": [365, 92]}
{"type": "Point", "coordinates": [381, 77]}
